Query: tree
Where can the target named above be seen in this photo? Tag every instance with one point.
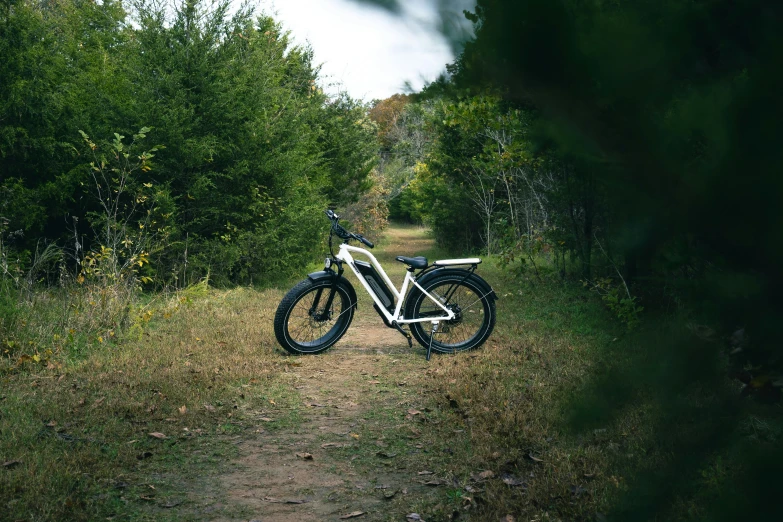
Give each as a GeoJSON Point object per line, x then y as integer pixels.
{"type": "Point", "coordinates": [254, 150]}
{"type": "Point", "coordinates": [657, 117]}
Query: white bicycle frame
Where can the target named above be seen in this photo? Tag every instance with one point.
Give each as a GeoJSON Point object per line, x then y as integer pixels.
{"type": "Point", "coordinates": [345, 256]}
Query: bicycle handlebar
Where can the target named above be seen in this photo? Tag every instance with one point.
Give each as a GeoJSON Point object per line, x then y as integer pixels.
{"type": "Point", "coordinates": [344, 234]}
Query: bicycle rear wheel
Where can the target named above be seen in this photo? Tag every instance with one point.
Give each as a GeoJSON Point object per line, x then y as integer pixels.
{"type": "Point", "coordinates": [474, 310]}
{"type": "Point", "coordinates": [305, 321]}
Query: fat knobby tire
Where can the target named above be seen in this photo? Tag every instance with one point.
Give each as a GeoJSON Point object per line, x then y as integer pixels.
{"type": "Point", "coordinates": [476, 313]}
{"type": "Point", "coordinates": [302, 328]}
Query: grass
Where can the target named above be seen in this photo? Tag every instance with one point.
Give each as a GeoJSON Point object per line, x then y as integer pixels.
{"type": "Point", "coordinates": [498, 410]}
{"type": "Point", "coordinates": [80, 428]}
{"type": "Point", "coordinates": [141, 425]}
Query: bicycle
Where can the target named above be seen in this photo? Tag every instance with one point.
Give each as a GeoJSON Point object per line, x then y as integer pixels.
{"type": "Point", "coordinates": [448, 296]}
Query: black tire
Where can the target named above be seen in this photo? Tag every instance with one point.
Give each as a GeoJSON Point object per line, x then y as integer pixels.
{"type": "Point", "coordinates": [301, 329]}
{"type": "Point", "coordinates": [475, 313]}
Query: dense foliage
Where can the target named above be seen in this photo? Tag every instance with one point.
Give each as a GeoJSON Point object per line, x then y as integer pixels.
{"type": "Point", "coordinates": [633, 145]}
{"type": "Point", "coordinates": [248, 150]}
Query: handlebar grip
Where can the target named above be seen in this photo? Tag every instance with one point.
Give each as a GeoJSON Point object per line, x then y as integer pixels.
{"type": "Point", "coordinates": [365, 241]}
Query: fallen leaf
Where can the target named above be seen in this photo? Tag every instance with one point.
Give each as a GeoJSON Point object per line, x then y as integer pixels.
{"type": "Point", "coordinates": [305, 456]}
{"type": "Point", "coordinates": [11, 464]}
{"type": "Point", "coordinates": [51, 424]}
{"type": "Point", "coordinates": [355, 435]}
{"type": "Point", "coordinates": [172, 503]}
{"type": "Point", "coordinates": [511, 480]}
{"type": "Point", "coordinates": [353, 515]}
{"type": "Point", "coordinates": [375, 382]}
{"type": "Point", "coordinates": [265, 419]}
{"type": "Point", "coordinates": [385, 455]}
{"type": "Point", "coordinates": [209, 407]}
{"type": "Point", "coordinates": [182, 409]}
{"type": "Point", "coordinates": [425, 473]}
{"type": "Point", "coordinates": [487, 474]}
{"type": "Point", "coordinates": [332, 445]}
{"type": "Point", "coordinates": [413, 412]}
{"type": "Point", "coordinates": [389, 494]}
{"type": "Point", "coordinates": [145, 455]}
{"type": "Point", "coordinates": [509, 518]}
{"type": "Point", "coordinates": [157, 435]}
{"type": "Point", "coordinates": [148, 498]}
{"type": "Point", "coordinates": [534, 459]}
{"type": "Point", "coordinates": [413, 517]}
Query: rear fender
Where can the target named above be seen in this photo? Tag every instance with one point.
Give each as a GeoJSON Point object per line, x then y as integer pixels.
{"type": "Point", "coordinates": [332, 276]}
{"type": "Point", "coordinates": [486, 289]}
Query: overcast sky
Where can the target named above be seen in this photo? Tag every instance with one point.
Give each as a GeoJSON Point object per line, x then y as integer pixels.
{"type": "Point", "coordinates": [366, 50]}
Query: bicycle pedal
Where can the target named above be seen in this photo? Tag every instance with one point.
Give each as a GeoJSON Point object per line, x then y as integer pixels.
{"type": "Point", "coordinates": [397, 326]}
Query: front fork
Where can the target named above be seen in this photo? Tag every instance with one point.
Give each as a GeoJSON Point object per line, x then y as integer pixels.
{"type": "Point", "coordinates": [332, 290]}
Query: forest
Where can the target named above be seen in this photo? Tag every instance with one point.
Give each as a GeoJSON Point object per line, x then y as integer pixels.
{"type": "Point", "coordinates": [614, 162]}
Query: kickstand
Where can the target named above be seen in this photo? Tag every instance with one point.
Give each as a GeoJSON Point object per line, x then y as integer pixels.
{"type": "Point", "coordinates": [432, 334]}
{"type": "Point", "coordinates": [403, 332]}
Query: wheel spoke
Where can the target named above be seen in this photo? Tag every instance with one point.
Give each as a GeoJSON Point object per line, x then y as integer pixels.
{"type": "Point", "coordinates": [470, 307]}
{"type": "Point", "coordinates": [310, 324]}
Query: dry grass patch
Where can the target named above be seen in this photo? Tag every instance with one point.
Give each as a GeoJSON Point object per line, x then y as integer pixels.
{"type": "Point", "coordinates": [518, 458]}
{"type": "Point", "coordinates": [117, 432]}
{"type": "Point", "coordinates": [171, 421]}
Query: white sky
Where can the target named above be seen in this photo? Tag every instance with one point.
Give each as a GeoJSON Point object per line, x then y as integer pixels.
{"type": "Point", "coordinates": [367, 51]}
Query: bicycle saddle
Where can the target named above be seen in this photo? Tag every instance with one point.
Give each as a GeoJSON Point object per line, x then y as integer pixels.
{"type": "Point", "coordinates": [413, 262]}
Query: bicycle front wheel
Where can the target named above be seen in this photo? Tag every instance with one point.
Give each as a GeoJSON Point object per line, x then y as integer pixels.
{"type": "Point", "coordinates": [474, 314]}
{"type": "Point", "coordinates": [306, 322]}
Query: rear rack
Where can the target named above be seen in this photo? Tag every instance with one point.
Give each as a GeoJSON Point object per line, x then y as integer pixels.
{"type": "Point", "coordinates": [450, 262]}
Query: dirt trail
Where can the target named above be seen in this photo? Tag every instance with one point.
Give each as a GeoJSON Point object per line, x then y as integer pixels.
{"type": "Point", "coordinates": [315, 471]}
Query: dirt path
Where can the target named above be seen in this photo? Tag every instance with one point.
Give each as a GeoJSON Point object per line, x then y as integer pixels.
{"type": "Point", "coordinates": [324, 468]}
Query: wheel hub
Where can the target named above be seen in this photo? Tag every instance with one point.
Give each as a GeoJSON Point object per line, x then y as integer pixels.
{"type": "Point", "coordinates": [321, 317]}
{"type": "Point", "coordinates": [457, 314]}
